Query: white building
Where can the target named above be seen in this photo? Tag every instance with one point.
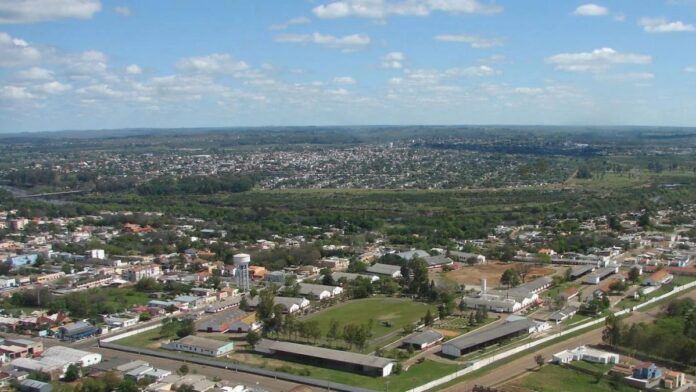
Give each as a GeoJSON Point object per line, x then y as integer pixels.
{"type": "Point", "coordinates": [320, 291]}
{"type": "Point", "coordinates": [584, 353]}
{"type": "Point", "coordinates": [202, 346]}
{"type": "Point", "coordinates": [83, 358]}
{"type": "Point", "coordinates": [96, 254]}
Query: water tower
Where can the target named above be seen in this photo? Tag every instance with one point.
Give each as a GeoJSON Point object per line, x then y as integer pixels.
{"type": "Point", "coordinates": [241, 261]}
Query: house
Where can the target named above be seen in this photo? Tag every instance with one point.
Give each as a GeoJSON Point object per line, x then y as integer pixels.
{"type": "Point", "coordinates": [220, 322]}
{"type": "Point", "coordinates": [77, 331]}
{"type": "Point", "coordinates": [466, 257]}
{"type": "Point", "coordinates": [47, 278]}
{"type": "Point", "coordinates": [7, 282]}
{"type": "Point", "coordinates": [412, 254]}
{"type": "Point", "coordinates": [29, 385]}
{"type": "Point", "coordinates": [563, 314]}
{"type": "Point", "coordinates": [672, 379]}
{"type": "Point", "coordinates": [600, 274]}
{"type": "Point", "coordinates": [658, 278]}
{"type": "Point", "coordinates": [245, 325]}
{"type": "Point", "coordinates": [584, 353]}
{"type": "Point", "coordinates": [73, 356]}
{"type": "Point", "coordinates": [319, 291]}
{"type": "Point", "coordinates": [646, 371]}
{"type": "Point", "coordinates": [349, 276]}
{"type": "Point", "coordinates": [645, 376]}
{"type": "Point", "coordinates": [277, 277]}
{"type": "Point", "coordinates": [33, 347]}
{"type": "Point", "coordinates": [198, 345]}
{"type": "Point", "coordinates": [257, 272]}
{"type": "Point", "coordinates": [423, 340]}
{"type": "Point", "coordinates": [569, 293]}
{"type": "Point", "coordinates": [189, 301]}
{"type": "Point", "coordinates": [291, 305]}
{"type": "Point", "coordinates": [392, 271]}
{"type": "Point", "coordinates": [120, 322]}
{"type": "Point", "coordinates": [147, 372]}
{"type": "Point", "coordinates": [581, 270]}
{"type": "Point", "coordinates": [319, 356]}
{"type": "Point", "coordinates": [138, 272]}
{"type": "Point", "coordinates": [334, 263]}
{"type": "Point", "coordinates": [438, 261]}
{"type": "Point", "coordinates": [23, 260]}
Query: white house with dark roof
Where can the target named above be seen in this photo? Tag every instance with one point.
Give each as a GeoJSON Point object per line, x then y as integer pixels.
{"type": "Point", "coordinates": [392, 271]}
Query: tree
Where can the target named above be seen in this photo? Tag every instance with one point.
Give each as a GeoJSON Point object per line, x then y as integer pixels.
{"type": "Point", "coordinates": [244, 304]}
{"type": "Point", "coordinates": [185, 388]}
{"type": "Point", "coordinates": [428, 318]}
{"type": "Point", "coordinates": [568, 275]}
{"type": "Point", "coordinates": [644, 219]}
{"type": "Point", "coordinates": [252, 338]}
{"type": "Point", "coordinates": [634, 274]}
{"type": "Point", "coordinates": [539, 359]}
{"type": "Point", "coordinates": [72, 373]}
{"type": "Point", "coordinates": [183, 370]}
{"type": "Point", "coordinates": [510, 278]}
{"type": "Point", "coordinates": [127, 385]}
{"type": "Point", "coordinates": [523, 269]}
{"type": "Point", "coordinates": [612, 330]}
{"type": "Point", "coordinates": [332, 334]}
{"type": "Point", "coordinates": [583, 172]}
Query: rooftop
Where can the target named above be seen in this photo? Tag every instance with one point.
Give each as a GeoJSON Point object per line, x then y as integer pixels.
{"type": "Point", "coordinates": [324, 353]}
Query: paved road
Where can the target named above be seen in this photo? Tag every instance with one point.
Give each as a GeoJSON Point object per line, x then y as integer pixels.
{"type": "Point", "coordinates": [520, 365]}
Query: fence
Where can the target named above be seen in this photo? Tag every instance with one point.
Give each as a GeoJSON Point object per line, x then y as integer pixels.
{"type": "Point", "coordinates": [490, 360]}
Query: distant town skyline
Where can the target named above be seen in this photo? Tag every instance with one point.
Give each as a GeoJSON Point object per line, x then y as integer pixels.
{"type": "Point", "coordinates": [91, 64]}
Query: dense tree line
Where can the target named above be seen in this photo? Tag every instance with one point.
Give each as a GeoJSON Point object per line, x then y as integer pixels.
{"type": "Point", "coordinates": [196, 185]}
{"type": "Point", "coordinates": [672, 336]}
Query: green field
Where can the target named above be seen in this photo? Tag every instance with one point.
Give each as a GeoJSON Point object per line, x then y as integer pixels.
{"type": "Point", "coordinates": [147, 339]}
{"type": "Point", "coordinates": [126, 296]}
{"type": "Point", "coordinates": [553, 378]}
{"type": "Point", "coordinates": [398, 311]}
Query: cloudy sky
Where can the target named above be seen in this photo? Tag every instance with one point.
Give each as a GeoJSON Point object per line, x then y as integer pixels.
{"type": "Point", "coordinates": [93, 64]}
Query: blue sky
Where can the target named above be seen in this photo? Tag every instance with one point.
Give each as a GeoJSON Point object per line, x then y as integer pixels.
{"type": "Point", "coordinates": [95, 64]}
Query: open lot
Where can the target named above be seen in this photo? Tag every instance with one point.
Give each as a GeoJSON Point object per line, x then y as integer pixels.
{"type": "Point", "coordinates": [554, 378]}
{"type": "Point", "coordinates": [472, 275]}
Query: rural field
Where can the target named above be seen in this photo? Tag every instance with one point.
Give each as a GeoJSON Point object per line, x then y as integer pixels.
{"type": "Point", "coordinates": [472, 275]}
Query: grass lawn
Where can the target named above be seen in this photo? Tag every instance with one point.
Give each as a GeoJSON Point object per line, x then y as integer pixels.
{"type": "Point", "coordinates": [398, 311]}
{"type": "Point", "coordinates": [125, 296]}
{"type": "Point", "coordinates": [553, 378]}
{"type": "Point", "coordinates": [147, 339]}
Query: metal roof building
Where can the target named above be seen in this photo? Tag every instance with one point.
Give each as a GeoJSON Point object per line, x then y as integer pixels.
{"type": "Point", "coordinates": [476, 340]}
{"type": "Point", "coordinates": [423, 340]}
{"type": "Point", "coordinates": [325, 357]}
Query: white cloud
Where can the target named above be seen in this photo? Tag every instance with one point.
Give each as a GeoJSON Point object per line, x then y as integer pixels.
{"type": "Point", "coordinates": [35, 73]}
{"type": "Point", "coordinates": [344, 80]}
{"type": "Point", "coordinates": [347, 42]}
{"type": "Point", "coordinates": [134, 69]}
{"type": "Point", "coordinates": [214, 63]}
{"type": "Point", "coordinates": [690, 69]}
{"type": "Point", "coordinates": [53, 87]}
{"type": "Point", "coordinates": [528, 90]}
{"type": "Point", "coordinates": [31, 11]}
{"type": "Point", "coordinates": [123, 11]}
{"type": "Point", "coordinates": [15, 93]}
{"type": "Point", "coordinates": [15, 52]}
{"type": "Point", "coordinates": [632, 76]}
{"type": "Point", "coordinates": [473, 40]}
{"type": "Point", "coordinates": [479, 71]}
{"type": "Point", "coordinates": [379, 9]}
{"type": "Point", "coordinates": [591, 10]}
{"type": "Point", "coordinates": [86, 64]}
{"type": "Point", "coordinates": [294, 21]}
{"type": "Point", "coordinates": [595, 61]}
{"type": "Point", "coordinates": [393, 60]}
{"type": "Point", "coordinates": [662, 25]}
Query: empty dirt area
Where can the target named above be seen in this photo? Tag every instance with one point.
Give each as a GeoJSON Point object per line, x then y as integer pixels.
{"type": "Point", "coordinates": [472, 275]}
